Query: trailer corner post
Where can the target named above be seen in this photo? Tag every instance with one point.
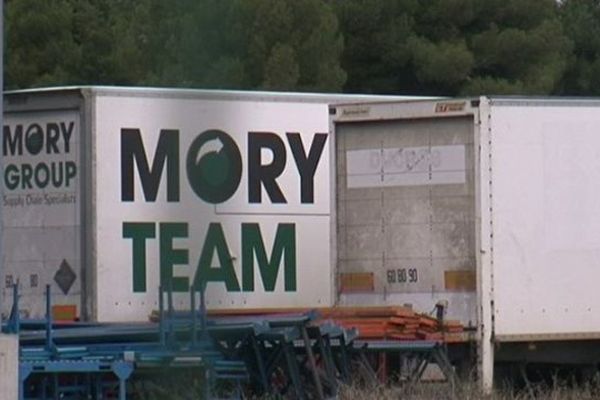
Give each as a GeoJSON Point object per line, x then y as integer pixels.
{"type": "Point", "coordinates": [486, 362]}
{"type": "Point", "coordinates": [1, 144]}
{"type": "Point", "coordinates": [9, 366]}
{"type": "Point", "coordinates": [9, 343]}
{"type": "Point", "coordinates": [485, 348]}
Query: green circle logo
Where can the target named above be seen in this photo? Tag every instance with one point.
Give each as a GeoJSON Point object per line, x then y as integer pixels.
{"type": "Point", "coordinates": [34, 139]}
{"type": "Point", "coordinates": [214, 166]}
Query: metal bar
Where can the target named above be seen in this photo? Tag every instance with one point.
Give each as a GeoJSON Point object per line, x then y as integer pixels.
{"type": "Point", "coordinates": [344, 360]}
{"type": "Point", "coordinates": [40, 390]}
{"type": "Point", "coordinates": [21, 386]}
{"type": "Point", "coordinates": [421, 366]}
{"type": "Point", "coordinates": [49, 341]}
{"type": "Point", "coordinates": [260, 362]}
{"type": "Point", "coordinates": [208, 383]}
{"type": "Point", "coordinates": [170, 327]}
{"type": "Point", "coordinates": [441, 359]}
{"type": "Point", "coordinates": [371, 376]}
{"type": "Point", "coordinates": [320, 347]}
{"type": "Point", "coordinates": [123, 371]}
{"type": "Point", "coordinates": [313, 364]}
{"type": "Point", "coordinates": [203, 307]}
{"type": "Point", "coordinates": [98, 387]}
{"type": "Point", "coordinates": [274, 358]}
{"type": "Point", "coordinates": [88, 385]}
{"type": "Point", "coordinates": [161, 316]}
{"type": "Point", "coordinates": [45, 388]}
{"type": "Point", "coordinates": [122, 389]}
{"type": "Point", "coordinates": [15, 314]}
{"type": "Point", "coordinates": [382, 370]}
{"type": "Point", "coordinates": [2, 40]}
{"type": "Point", "coordinates": [193, 310]}
{"type": "Point", "coordinates": [292, 364]}
{"type": "Point", "coordinates": [327, 355]}
{"type": "Point", "coordinates": [55, 384]}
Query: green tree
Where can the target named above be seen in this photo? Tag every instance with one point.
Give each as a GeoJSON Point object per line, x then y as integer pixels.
{"type": "Point", "coordinates": [146, 35]}
{"type": "Point", "coordinates": [376, 50]}
{"type": "Point", "coordinates": [581, 23]}
{"type": "Point", "coordinates": [438, 47]}
{"type": "Point", "coordinates": [206, 46]}
{"type": "Point", "coordinates": [261, 44]}
{"type": "Point", "coordinates": [94, 39]}
{"type": "Point", "coordinates": [524, 52]}
{"type": "Point", "coordinates": [449, 47]}
{"type": "Point", "coordinates": [40, 46]}
{"type": "Point", "coordinates": [294, 35]}
{"type": "Point", "coordinates": [242, 44]}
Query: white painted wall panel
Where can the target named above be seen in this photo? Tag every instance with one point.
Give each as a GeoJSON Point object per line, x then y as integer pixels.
{"type": "Point", "coordinates": [116, 300]}
{"type": "Point", "coordinates": [546, 219]}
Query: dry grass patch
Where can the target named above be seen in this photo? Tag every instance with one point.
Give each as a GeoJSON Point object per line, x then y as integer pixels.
{"type": "Point", "coordinates": [470, 391]}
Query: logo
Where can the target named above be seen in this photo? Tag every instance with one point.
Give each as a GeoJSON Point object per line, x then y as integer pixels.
{"type": "Point", "coordinates": [214, 166]}
{"type": "Point", "coordinates": [34, 139]}
{"type": "Point", "coordinates": [38, 156]}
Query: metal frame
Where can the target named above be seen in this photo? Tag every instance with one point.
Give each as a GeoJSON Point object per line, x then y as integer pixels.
{"type": "Point", "coordinates": [310, 357]}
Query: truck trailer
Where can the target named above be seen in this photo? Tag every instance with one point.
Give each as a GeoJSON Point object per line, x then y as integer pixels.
{"type": "Point", "coordinates": [487, 205]}
{"type": "Point", "coordinates": [483, 206]}
{"type": "Point", "coordinates": [112, 192]}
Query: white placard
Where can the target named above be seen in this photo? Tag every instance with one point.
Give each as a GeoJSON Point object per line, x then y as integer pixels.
{"type": "Point", "coordinates": [408, 166]}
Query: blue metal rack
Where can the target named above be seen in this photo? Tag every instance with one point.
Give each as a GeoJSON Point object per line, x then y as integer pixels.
{"type": "Point", "coordinates": [268, 354]}
{"type": "Point", "coordinates": [94, 358]}
{"type": "Point", "coordinates": [49, 360]}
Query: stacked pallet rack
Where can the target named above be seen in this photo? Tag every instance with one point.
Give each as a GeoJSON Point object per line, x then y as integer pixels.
{"type": "Point", "coordinates": [286, 353]}
{"type": "Point", "coordinates": [303, 353]}
{"type": "Point", "coordinates": [51, 363]}
{"type": "Point", "coordinates": [416, 340]}
{"type": "Point", "coordinates": [82, 360]}
{"type": "Point", "coordinates": [275, 354]}
{"type": "Point", "coordinates": [366, 338]}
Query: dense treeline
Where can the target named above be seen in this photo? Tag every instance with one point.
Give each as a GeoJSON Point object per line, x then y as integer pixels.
{"type": "Point", "coordinates": [437, 47]}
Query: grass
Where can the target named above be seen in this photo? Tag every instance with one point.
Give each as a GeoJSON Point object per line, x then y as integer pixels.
{"type": "Point", "coordinates": [169, 384]}
{"type": "Point", "coordinates": [189, 384]}
{"type": "Point", "coordinates": [470, 391]}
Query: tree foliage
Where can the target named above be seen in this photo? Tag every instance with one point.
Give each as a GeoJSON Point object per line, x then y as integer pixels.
{"type": "Point", "coordinates": [434, 47]}
{"type": "Point", "coordinates": [454, 46]}
{"type": "Point", "coordinates": [40, 43]}
{"type": "Point", "coordinates": [581, 22]}
{"type": "Point", "coordinates": [247, 44]}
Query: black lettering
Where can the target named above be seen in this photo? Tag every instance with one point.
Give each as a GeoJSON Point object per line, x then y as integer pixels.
{"type": "Point", "coordinates": [57, 173]}
{"type": "Point", "coordinates": [265, 174]}
{"type": "Point", "coordinates": [11, 176]}
{"type": "Point", "coordinates": [26, 174]}
{"type": "Point", "coordinates": [307, 166]}
{"type": "Point", "coordinates": [12, 141]}
{"type": "Point", "coordinates": [71, 171]}
{"type": "Point", "coordinates": [52, 138]}
{"type": "Point", "coordinates": [413, 275]}
{"type": "Point", "coordinates": [132, 148]}
{"type": "Point", "coordinates": [139, 232]}
{"type": "Point", "coordinates": [67, 132]}
{"type": "Point", "coordinates": [41, 175]}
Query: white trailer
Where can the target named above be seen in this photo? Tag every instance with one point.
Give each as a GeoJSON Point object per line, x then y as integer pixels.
{"type": "Point", "coordinates": [109, 192]}
{"type": "Point", "coordinates": [293, 200]}
{"type": "Point", "coordinates": [489, 205]}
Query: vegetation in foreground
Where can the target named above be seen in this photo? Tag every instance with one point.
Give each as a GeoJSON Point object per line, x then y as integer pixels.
{"type": "Point", "coordinates": [469, 391]}
{"type": "Point", "coordinates": [189, 384]}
